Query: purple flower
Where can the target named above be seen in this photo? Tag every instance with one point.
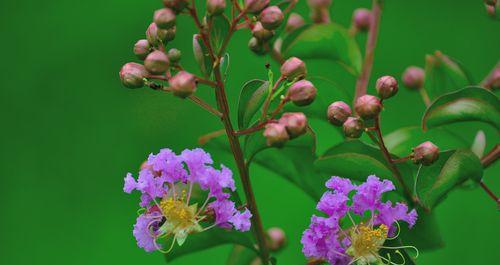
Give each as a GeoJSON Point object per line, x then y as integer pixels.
{"type": "Point", "coordinates": [325, 240]}
{"type": "Point", "coordinates": [166, 183]}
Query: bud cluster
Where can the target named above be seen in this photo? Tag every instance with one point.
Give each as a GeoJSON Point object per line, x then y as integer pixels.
{"type": "Point", "coordinates": [269, 19]}
{"type": "Point", "coordinates": [301, 92]}
{"type": "Point", "coordinates": [291, 125]}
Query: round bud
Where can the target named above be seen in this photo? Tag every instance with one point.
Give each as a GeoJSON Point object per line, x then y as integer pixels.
{"type": "Point", "coordinates": [302, 93]}
{"type": "Point", "coordinates": [271, 17]}
{"type": "Point", "coordinates": [132, 75]}
{"type": "Point", "coordinates": [261, 33]}
{"type": "Point", "coordinates": [277, 238]}
{"type": "Point", "coordinates": [367, 106]}
{"type": "Point", "coordinates": [255, 6]}
{"type": "Point", "coordinates": [152, 34]}
{"type": "Point", "coordinates": [425, 153]}
{"type": "Point", "coordinates": [293, 68]}
{"type": "Point", "coordinates": [361, 19]}
{"type": "Point", "coordinates": [176, 5]}
{"type": "Point", "coordinates": [317, 4]}
{"type": "Point", "coordinates": [164, 18]}
{"type": "Point", "coordinates": [353, 127]}
{"type": "Point", "coordinates": [295, 123]}
{"type": "Point", "coordinates": [174, 55]}
{"type": "Point", "coordinates": [141, 49]}
{"type": "Point", "coordinates": [156, 62]}
{"type": "Point", "coordinates": [167, 35]}
{"type": "Point", "coordinates": [413, 77]}
{"type": "Point", "coordinates": [387, 86]}
{"type": "Point", "coordinates": [216, 7]}
{"type": "Point", "coordinates": [183, 84]}
{"type": "Point", "coordinates": [255, 46]}
{"type": "Point", "coordinates": [276, 134]}
{"type": "Point", "coordinates": [294, 22]}
{"type": "Point", "coordinates": [338, 112]}
{"type": "Point", "coordinates": [491, 11]}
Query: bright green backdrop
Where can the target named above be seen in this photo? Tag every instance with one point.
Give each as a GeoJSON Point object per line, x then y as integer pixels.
{"type": "Point", "coordinates": [70, 131]}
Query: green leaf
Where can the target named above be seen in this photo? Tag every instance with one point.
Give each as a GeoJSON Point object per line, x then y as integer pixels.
{"type": "Point", "coordinates": [219, 30]}
{"type": "Point", "coordinates": [449, 171]}
{"type": "Point", "coordinates": [425, 235]}
{"type": "Point", "coordinates": [324, 41]}
{"type": "Point", "coordinates": [468, 104]}
{"type": "Point", "coordinates": [252, 96]}
{"type": "Point", "coordinates": [241, 256]}
{"type": "Point", "coordinates": [401, 141]}
{"type": "Point", "coordinates": [201, 55]}
{"type": "Point", "coordinates": [224, 65]}
{"type": "Point", "coordinates": [444, 74]}
{"type": "Point", "coordinates": [208, 239]}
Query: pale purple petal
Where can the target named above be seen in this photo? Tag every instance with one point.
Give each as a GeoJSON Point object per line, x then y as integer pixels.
{"type": "Point", "coordinates": [241, 221]}
{"type": "Point", "coordinates": [333, 204]}
{"type": "Point", "coordinates": [130, 183]}
{"type": "Point", "coordinates": [369, 194]}
{"type": "Point", "coordinates": [142, 233]}
{"type": "Point", "coordinates": [341, 185]}
{"type": "Point", "coordinates": [224, 211]}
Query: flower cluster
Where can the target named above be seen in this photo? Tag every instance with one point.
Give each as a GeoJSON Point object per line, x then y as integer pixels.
{"type": "Point", "coordinates": [326, 240]}
{"type": "Point", "coordinates": [167, 182]}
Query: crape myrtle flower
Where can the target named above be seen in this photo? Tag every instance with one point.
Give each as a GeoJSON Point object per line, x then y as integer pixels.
{"type": "Point", "coordinates": [166, 182]}
{"type": "Point", "coordinates": [325, 239]}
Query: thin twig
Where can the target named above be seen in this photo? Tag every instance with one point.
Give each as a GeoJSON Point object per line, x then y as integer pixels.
{"type": "Point", "coordinates": [371, 42]}
{"type": "Point", "coordinates": [491, 156]}
{"type": "Point", "coordinates": [270, 95]}
{"type": "Point", "coordinates": [205, 105]}
{"type": "Point", "coordinates": [490, 193]}
{"type": "Point", "coordinates": [425, 96]}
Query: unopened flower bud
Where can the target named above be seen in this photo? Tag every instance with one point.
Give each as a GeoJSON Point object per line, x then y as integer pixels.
{"type": "Point", "coordinates": [183, 84]}
{"type": "Point", "coordinates": [216, 7]}
{"type": "Point", "coordinates": [495, 79]}
{"type": "Point", "coordinates": [156, 62]}
{"type": "Point", "coordinates": [164, 18]}
{"type": "Point", "coordinates": [261, 33]}
{"type": "Point", "coordinates": [353, 127]}
{"type": "Point", "coordinates": [387, 86]}
{"type": "Point", "coordinates": [256, 46]}
{"type": "Point", "coordinates": [426, 153]}
{"type": "Point", "coordinates": [176, 5]}
{"type": "Point", "coordinates": [276, 134]}
{"type": "Point", "coordinates": [152, 34]}
{"type": "Point", "coordinates": [302, 93]}
{"type": "Point", "coordinates": [271, 17]}
{"type": "Point", "coordinates": [294, 22]}
{"type": "Point", "coordinates": [293, 68]}
{"type": "Point", "coordinates": [174, 55]}
{"type": "Point", "coordinates": [368, 106]}
{"type": "Point", "coordinates": [338, 112]}
{"type": "Point", "coordinates": [361, 19]}
{"type": "Point", "coordinates": [413, 77]}
{"type": "Point", "coordinates": [315, 4]}
{"type": "Point", "coordinates": [132, 75]}
{"type": "Point", "coordinates": [295, 123]}
{"type": "Point", "coordinates": [141, 49]}
{"type": "Point", "coordinates": [277, 238]}
{"type": "Point", "coordinates": [255, 6]}
{"type": "Point", "coordinates": [167, 35]}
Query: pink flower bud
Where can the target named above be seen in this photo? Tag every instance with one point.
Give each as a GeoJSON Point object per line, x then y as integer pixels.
{"type": "Point", "coordinates": [495, 79]}
{"type": "Point", "coordinates": [353, 127]}
{"type": "Point", "coordinates": [338, 112]}
{"type": "Point", "coordinates": [316, 4]}
{"type": "Point", "coordinates": [426, 153]}
{"type": "Point", "coordinates": [361, 19]}
{"type": "Point", "coordinates": [368, 106]}
{"type": "Point", "coordinates": [387, 86]}
{"type": "Point", "coordinates": [294, 22]}
{"type": "Point", "coordinates": [271, 17]}
{"type": "Point", "coordinates": [276, 134]}
{"type": "Point", "coordinates": [255, 6]}
{"type": "Point", "coordinates": [216, 7]}
{"type": "Point", "coordinates": [166, 35]}
{"type": "Point", "coordinates": [277, 238]}
{"type": "Point", "coordinates": [141, 49]}
{"type": "Point", "coordinates": [164, 18]}
{"type": "Point", "coordinates": [156, 62]}
{"type": "Point", "coordinates": [413, 77]}
{"type": "Point", "coordinates": [183, 84]}
{"type": "Point", "coordinates": [256, 46]}
{"type": "Point", "coordinates": [293, 68]}
{"type": "Point", "coordinates": [302, 93]}
{"type": "Point", "coordinates": [174, 55]}
{"type": "Point", "coordinates": [295, 123]}
{"type": "Point", "coordinates": [152, 34]}
{"type": "Point", "coordinates": [176, 5]}
{"type": "Point", "coordinates": [132, 75]}
{"type": "Point", "coordinates": [261, 33]}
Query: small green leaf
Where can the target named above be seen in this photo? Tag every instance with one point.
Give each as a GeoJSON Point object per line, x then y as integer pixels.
{"type": "Point", "coordinates": [208, 239]}
{"type": "Point", "coordinates": [444, 74]}
{"type": "Point", "coordinates": [401, 141]}
{"type": "Point", "coordinates": [450, 170]}
{"type": "Point", "coordinates": [218, 31]}
{"type": "Point", "coordinates": [468, 104]}
{"type": "Point", "coordinates": [324, 41]}
{"type": "Point", "coordinates": [201, 55]}
{"type": "Point", "coordinates": [425, 235]}
{"type": "Point", "coordinates": [252, 96]}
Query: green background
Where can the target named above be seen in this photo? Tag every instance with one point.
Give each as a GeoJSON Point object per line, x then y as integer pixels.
{"type": "Point", "coordinates": [70, 131]}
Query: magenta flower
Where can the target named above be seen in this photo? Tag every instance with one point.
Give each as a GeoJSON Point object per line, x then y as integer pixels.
{"type": "Point", "coordinates": [166, 182]}
{"type": "Point", "coordinates": [325, 240]}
